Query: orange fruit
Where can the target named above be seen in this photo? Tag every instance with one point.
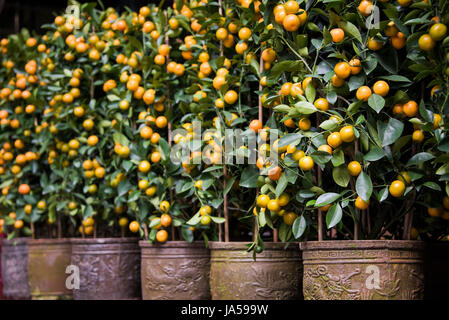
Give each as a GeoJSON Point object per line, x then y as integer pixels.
{"type": "Point", "coordinates": [289, 218]}
{"type": "Point", "coordinates": [230, 97]}
{"type": "Point", "coordinates": [274, 173]}
{"type": "Point", "coordinates": [334, 140]}
{"type": "Point", "coordinates": [398, 41]}
{"type": "Point", "coordinates": [304, 124]}
{"type": "Point", "coordinates": [166, 220]}
{"type": "Point", "coordinates": [361, 204]}
{"type": "Point", "coordinates": [342, 70]}
{"type": "Point", "coordinates": [269, 55]}
{"type": "Point", "coordinates": [161, 236]}
{"type": "Point", "coordinates": [255, 125]}
{"type": "Point", "coordinates": [325, 148]}
{"type": "Point", "coordinates": [418, 136]}
{"type": "Point", "coordinates": [144, 166]}
{"type": "Point", "coordinates": [438, 31]}
{"type": "Point", "coordinates": [374, 44]}
{"type": "Point", "coordinates": [381, 88]}
{"type": "Point", "coordinates": [322, 104]}
{"type": "Point", "coordinates": [291, 22]}
{"type": "Point", "coordinates": [354, 168]}
{"type": "Point", "coordinates": [337, 82]}
{"type": "Point", "coordinates": [24, 189]}
{"type": "Point", "coordinates": [355, 66]}
{"type": "Point", "coordinates": [410, 108]}
{"type": "Point", "coordinates": [363, 93]}
{"type": "Point", "coordinates": [337, 35]}
{"type": "Point", "coordinates": [397, 188]}
{"type": "Point", "coordinates": [426, 42]}
{"type": "Point", "coordinates": [365, 7]}
{"type": "Point", "coordinates": [347, 134]}
{"type": "Point", "coordinates": [306, 163]}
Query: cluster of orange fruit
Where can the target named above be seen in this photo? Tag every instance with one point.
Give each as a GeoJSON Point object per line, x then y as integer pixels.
{"type": "Point", "coordinates": [290, 15]}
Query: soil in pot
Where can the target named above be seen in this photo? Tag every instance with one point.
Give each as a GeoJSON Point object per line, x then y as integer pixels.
{"type": "Point", "coordinates": [48, 260]}
{"type": "Point", "coordinates": [109, 268]}
{"type": "Point", "coordinates": [363, 270]}
{"type": "Point", "coordinates": [176, 270]}
{"type": "Point", "coordinates": [275, 275]}
{"type": "Point", "coordinates": [14, 261]}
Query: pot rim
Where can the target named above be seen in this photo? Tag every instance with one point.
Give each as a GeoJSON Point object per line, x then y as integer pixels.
{"type": "Point", "coordinates": [173, 244]}
{"type": "Point", "coordinates": [20, 240]}
{"type": "Point", "coordinates": [361, 244]}
{"type": "Point", "coordinates": [103, 240]}
{"type": "Point", "coordinates": [241, 245]}
{"type": "Point", "coordinates": [48, 241]}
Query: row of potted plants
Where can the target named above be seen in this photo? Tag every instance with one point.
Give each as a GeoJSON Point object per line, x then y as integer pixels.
{"type": "Point", "coordinates": [248, 125]}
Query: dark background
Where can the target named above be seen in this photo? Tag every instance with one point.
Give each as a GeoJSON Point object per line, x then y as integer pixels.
{"type": "Point", "coordinates": [31, 14]}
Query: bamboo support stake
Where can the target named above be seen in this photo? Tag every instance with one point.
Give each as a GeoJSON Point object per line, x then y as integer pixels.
{"type": "Point", "coordinates": [225, 171]}
{"type": "Point", "coordinates": [357, 212]}
{"type": "Point", "coordinates": [145, 231]}
{"type": "Point", "coordinates": [59, 226]}
{"type": "Point", "coordinates": [173, 234]}
{"type": "Point", "coordinates": [33, 235]}
{"type": "Point", "coordinates": [319, 178]}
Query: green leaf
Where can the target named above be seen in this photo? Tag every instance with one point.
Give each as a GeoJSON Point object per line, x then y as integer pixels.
{"type": "Point", "coordinates": [283, 108]}
{"type": "Point", "coordinates": [364, 186]}
{"type": "Point", "coordinates": [329, 124]}
{"type": "Point", "coordinates": [376, 102]}
{"type": "Point", "coordinates": [350, 30]}
{"type": "Point", "coordinates": [374, 154]}
{"type": "Point", "coordinates": [383, 194]}
{"type": "Point", "coordinates": [218, 219]}
{"type": "Point", "coordinates": [341, 176]}
{"type": "Point", "coordinates": [389, 132]}
{"type": "Point", "coordinates": [419, 158]}
{"type": "Point", "coordinates": [291, 138]}
{"type": "Point", "coordinates": [281, 185]}
{"type": "Point", "coordinates": [326, 198]}
{"type": "Point", "coordinates": [338, 158]}
{"type": "Point", "coordinates": [432, 185]}
{"type": "Point", "coordinates": [299, 226]}
{"type": "Point", "coordinates": [334, 215]}
{"type": "Point", "coordinates": [249, 177]}
{"type": "Point", "coordinates": [120, 138]}
{"type": "Point", "coordinates": [304, 107]}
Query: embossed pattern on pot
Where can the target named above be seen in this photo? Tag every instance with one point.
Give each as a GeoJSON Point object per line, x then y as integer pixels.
{"type": "Point", "coordinates": [109, 268]}
{"type": "Point", "coordinates": [363, 270]}
{"type": "Point", "coordinates": [14, 268]}
{"type": "Point", "coordinates": [176, 270]}
{"type": "Point", "coordinates": [47, 263]}
{"type": "Point", "coordinates": [275, 275]}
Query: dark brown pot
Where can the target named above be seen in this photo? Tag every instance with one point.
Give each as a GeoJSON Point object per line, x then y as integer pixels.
{"type": "Point", "coordinates": [109, 268]}
{"type": "Point", "coordinates": [363, 270]}
{"type": "Point", "coordinates": [437, 271]}
{"type": "Point", "coordinates": [14, 269]}
{"type": "Point", "coordinates": [275, 275]}
{"type": "Point", "coordinates": [176, 270]}
{"type": "Point", "coordinates": [47, 263]}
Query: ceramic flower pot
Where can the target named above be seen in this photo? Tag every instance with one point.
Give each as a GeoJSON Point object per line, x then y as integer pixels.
{"type": "Point", "coordinates": [176, 270]}
{"type": "Point", "coordinates": [47, 263]}
{"type": "Point", "coordinates": [363, 270]}
{"type": "Point", "coordinates": [275, 275]}
{"type": "Point", "coordinates": [109, 268]}
{"type": "Point", "coordinates": [14, 261]}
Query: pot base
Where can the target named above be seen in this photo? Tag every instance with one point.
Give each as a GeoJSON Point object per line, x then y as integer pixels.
{"type": "Point", "coordinates": [14, 269]}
